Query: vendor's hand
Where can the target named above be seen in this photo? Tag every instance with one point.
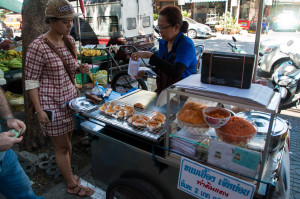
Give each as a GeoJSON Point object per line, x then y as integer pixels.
{"type": "Point", "coordinates": [7, 140]}
{"type": "Point", "coordinates": [84, 68]}
{"type": "Point", "coordinates": [141, 54]}
{"type": "Point", "coordinates": [140, 74]}
{"type": "Point", "coordinates": [16, 124]}
{"type": "Point", "coordinates": [262, 82]}
{"type": "Point", "coordinates": [43, 118]}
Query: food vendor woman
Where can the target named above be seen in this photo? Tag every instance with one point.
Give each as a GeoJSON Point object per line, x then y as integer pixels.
{"type": "Point", "coordinates": [176, 58]}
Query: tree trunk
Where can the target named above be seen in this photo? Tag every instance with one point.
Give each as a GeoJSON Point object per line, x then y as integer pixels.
{"type": "Point", "coordinates": [33, 25]}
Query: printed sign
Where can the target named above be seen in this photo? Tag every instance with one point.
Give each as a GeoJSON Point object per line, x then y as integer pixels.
{"type": "Point", "coordinates": [234, 3]}
{"type": "Point", "coordinates": [233, 158]}
{"type": "Point", "coordinates": [181, 2]}
{"type": "Point", "coordinates": [204, 182]}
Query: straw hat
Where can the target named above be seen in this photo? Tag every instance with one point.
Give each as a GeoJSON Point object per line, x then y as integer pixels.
{"type": "Point", "coordinates": [60, 9]}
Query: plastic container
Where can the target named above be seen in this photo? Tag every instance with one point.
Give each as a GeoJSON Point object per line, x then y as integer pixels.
{"type": "Point", "coordinates": [235, 139]}
{"type": "Point", "coordinates": [193, 129]}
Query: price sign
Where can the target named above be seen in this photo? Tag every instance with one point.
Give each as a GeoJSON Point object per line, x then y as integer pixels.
{"type": "Point", "coordinates": [204, 182]}
{"type": "Point", "coordinates": [181, 2]}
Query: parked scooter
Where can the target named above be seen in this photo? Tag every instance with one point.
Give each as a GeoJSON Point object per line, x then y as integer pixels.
{"type": "Point", "coordinates": [286, 81]}
{"type": "Point", "coordinates": [235, 49]}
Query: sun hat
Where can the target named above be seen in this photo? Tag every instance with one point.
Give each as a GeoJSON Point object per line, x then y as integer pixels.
{"type": "Point", "coordinates": [60, 9]}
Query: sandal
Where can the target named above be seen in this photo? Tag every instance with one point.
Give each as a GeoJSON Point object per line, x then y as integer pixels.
{"type": "Point", "coordinates": [77, 179]}
{"type": "Point", "coordinates": [80, 191]}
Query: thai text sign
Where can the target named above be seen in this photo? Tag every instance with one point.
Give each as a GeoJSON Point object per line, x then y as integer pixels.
{"type": "Point", "coordinates": [204, 182]}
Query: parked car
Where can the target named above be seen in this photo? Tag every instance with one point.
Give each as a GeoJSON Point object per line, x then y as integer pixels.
{"type": "Point", "coordinates": [285, 21]}
{"type": "Point", "coordinates": [274, 51]}
{"type": "Point", "coordinates": [195, 29]}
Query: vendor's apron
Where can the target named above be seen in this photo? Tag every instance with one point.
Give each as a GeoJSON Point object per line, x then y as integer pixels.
{"type": "Point", "coordinates": [163, 80]}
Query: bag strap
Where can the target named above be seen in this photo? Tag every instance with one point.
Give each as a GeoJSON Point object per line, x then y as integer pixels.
{"type": "Point", "coordinates": [179, 39]}
{"type": "Point", "coordinates": [243, 71]}
{"type": "Point", "coordinates": [62, 59]}
{"type": "Point", "coordinates": [210, 68]}
{"type": "Point", "coordinates": [175, 47]}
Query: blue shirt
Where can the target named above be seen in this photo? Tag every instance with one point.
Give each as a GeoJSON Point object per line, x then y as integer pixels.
{"type": "Point", "coordinates": [185, 53]}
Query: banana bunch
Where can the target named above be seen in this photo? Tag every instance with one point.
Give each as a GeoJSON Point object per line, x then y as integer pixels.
{"type": "Point", "coordinates": [89, 52]}
{"type": "Point", "coordinates": [10, 54]}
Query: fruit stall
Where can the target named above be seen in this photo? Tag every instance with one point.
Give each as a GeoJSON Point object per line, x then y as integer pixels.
{"type": "Point", "coordinates": [11, 77]}
{"type": "Point", "coordinates": [99, 62]}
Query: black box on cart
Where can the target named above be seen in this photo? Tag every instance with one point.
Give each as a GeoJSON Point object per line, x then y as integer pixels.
{"type": "Point", "coordinates": [228, 69]}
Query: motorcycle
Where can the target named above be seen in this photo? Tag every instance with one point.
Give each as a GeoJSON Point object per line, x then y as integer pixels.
{"type": "Point", "coordinates": [235, 49]}
{"type": "Point", "coordinates": [286, 81]}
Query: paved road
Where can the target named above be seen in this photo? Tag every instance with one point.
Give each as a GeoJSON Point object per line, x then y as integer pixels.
{"type": "Point", "coordinates": [245, 42]}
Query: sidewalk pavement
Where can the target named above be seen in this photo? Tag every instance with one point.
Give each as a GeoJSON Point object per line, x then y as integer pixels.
{"type": "Point", "coordinates": [293, 116]}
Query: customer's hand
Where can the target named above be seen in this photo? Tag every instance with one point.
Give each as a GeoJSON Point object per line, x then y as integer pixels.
{"type": "Point", "coordinates": [7, 140]}
{"type": "Point", "coordinates": [43, 118]}
{"type": "Point", "coordinates": [84, 68]}
{"type": "Point", "coordinates": [16, 124]}
{"type": "Point", "coordinates": [141, 54]}
{"type": "Point", "coordinates": [140, 74]}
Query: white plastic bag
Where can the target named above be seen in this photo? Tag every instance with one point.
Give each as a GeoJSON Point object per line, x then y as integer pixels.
{"type": "Point", "coordinates": [133, 68]}
{"type": "Point", "coordinates": [98, 90]}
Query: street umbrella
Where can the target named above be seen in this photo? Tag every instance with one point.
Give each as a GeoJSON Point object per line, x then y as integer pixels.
{"type": "Point", "coordinates": [82, 7]}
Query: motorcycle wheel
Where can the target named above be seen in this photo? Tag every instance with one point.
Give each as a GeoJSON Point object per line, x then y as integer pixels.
{"type": "Point", "coordinates": [122, 82]}
{"type": "Point", "coordinates": [294, 103]}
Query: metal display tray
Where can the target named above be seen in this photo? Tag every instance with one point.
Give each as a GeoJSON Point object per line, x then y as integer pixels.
{"type": "Point", "coordinates": [122, 124]}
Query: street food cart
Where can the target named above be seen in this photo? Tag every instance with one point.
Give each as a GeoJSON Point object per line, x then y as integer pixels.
{"type": "Point", "coordinates": [131, 161]}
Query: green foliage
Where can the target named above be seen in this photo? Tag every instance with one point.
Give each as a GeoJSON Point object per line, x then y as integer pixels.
{"type": "Point", "coordinates": [230, 22]}
{"type": "Point", "coordinates": [155, 16]}
{"type": "Point", "coordinates": [186, 14]}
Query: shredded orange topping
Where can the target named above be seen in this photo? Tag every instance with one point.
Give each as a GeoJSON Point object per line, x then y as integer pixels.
{"type": "Point", "coordinates": [238, 126]}
{"type": "Point", "coordinates": [219, 113]}
{"type": "Point", "coordinates": [238, 130]}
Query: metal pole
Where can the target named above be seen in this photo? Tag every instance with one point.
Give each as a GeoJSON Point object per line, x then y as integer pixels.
{"type": "Point", "coordinates": [226, 8]}
{"type": "Point", "coordinates": [230, 8]}
{"type": "Point", "coordinates": [257, 38]}
{"type": "Point", "coordinates": [80, 52]}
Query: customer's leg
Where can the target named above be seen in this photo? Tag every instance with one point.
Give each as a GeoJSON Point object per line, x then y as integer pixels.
{"type": "Point", "coordinates": [14, 181]}
{"type": "Point", "coordinates": [62, 147]}
{"type": "Point", "coordinates": [62, 157]}
{"type": "Point", "coordinates": [70, 146]}
{"type": "Point", "coordinates": [77, 179]}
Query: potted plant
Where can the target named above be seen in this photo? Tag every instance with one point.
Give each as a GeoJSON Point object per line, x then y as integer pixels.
{"type": "Point", "coordinates": [219, 27]}
{"type": "Point", "coordinates": [228, 23]}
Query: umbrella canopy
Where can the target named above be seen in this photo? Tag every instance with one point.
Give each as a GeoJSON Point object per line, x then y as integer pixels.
{"type": "Point", "coordinates": [201, 1]}
{"type": "Point", "coordinates": [14, 5]}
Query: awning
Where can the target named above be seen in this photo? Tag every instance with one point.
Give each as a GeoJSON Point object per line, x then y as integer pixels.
{"type": "Point", "coordinates": [201, 1]}
{"type": "Point", "coordinates": [13, 5]}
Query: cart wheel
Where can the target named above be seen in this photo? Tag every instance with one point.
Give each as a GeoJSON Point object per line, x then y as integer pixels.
{"type": "Point", "coordinates": [125, 188]}
{"type": "Point", "coordinates": [122, 82]}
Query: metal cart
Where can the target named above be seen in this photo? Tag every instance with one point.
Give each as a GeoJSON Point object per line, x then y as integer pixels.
{"type": "Point", "coordinates": [125, 158]}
